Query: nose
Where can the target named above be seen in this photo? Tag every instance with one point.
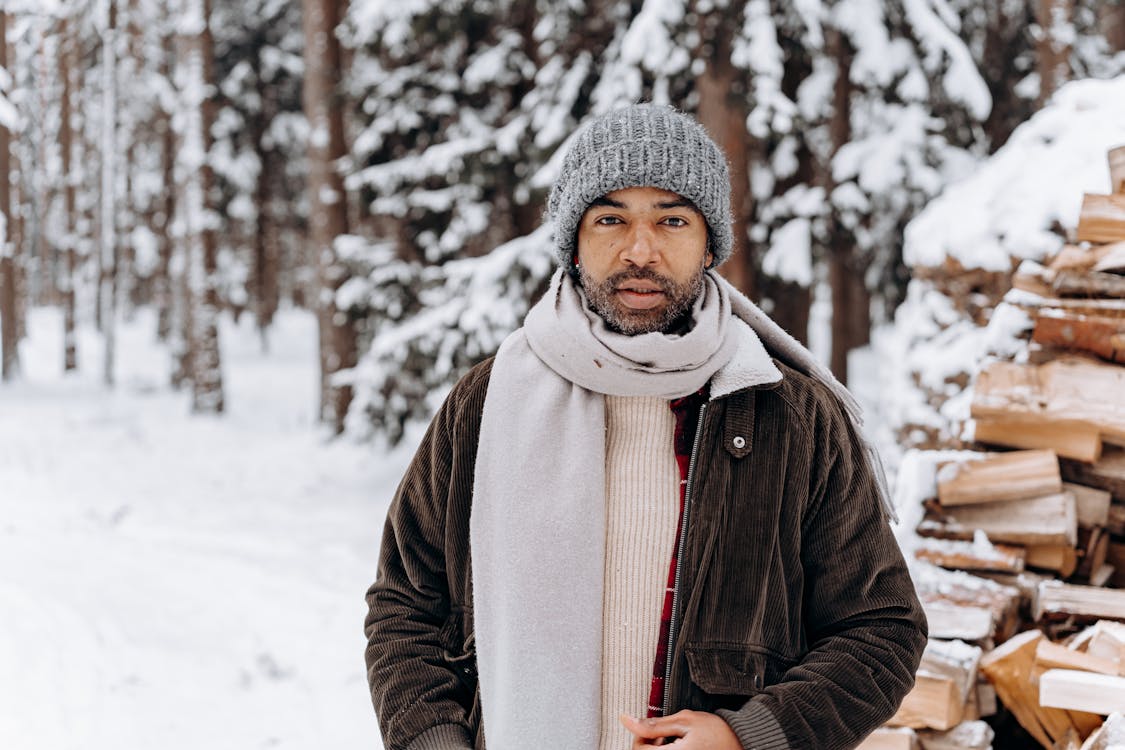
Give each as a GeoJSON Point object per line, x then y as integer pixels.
{"type": "Point", "coordinates": [640, 246]}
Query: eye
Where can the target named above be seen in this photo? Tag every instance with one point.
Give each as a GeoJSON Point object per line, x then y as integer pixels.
{"type": "Point", "coordinates": [607, 219]}
{"type": "Point", "coordinates": [676, 221]}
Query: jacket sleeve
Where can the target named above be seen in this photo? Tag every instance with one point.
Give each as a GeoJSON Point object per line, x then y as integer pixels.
{"type": "Point", "coordinates": [411, 626]}
{"type": "Point", "coordinates": [862, 618]}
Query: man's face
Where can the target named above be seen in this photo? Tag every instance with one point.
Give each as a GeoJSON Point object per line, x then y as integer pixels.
{"type": "Point", "coordinates": [641, 256]}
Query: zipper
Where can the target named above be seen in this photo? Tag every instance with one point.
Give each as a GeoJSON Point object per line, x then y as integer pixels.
{"type": "Point", "coordinates": [680, 561]}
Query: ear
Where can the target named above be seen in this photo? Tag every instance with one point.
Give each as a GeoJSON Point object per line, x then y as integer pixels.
{"type": "Point", "coordinates": [709, 260]}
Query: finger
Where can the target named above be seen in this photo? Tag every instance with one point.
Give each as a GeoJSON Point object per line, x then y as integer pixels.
{"type": "Point", "coordinates": [654, 728]}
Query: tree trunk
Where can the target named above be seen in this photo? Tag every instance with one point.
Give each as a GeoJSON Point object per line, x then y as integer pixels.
{"type": "Point", "coordinates": [1053, 46]}
{"type": "Point", "coordinates": [70, 238]}
{"type": "Point", "coordinates": [162, 283]}
{"type": "Point", "coordinates": [851, 301]}
{"type": "Point", "coordinates": [1111, 19]}
{"type": "Point", "coordinates": [328, 209]}
{"type": "Point", "coordinates": [267, 253]}
{"type": "Point", "coordinates": [206, 372]}
{"type": "Point", "coordinates": [722, 111]}
{"type": "Point", "coordinates": [108, 255]}
{"type": "Point", "coordinates": [9, 353]}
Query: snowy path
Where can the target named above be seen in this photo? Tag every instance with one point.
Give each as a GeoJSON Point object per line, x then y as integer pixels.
{"type": "Point", "coordinates": [182, 582]}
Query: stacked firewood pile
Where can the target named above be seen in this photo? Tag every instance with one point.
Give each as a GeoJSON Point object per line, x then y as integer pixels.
{"type": "Point", "coordinates": [1023, 544]}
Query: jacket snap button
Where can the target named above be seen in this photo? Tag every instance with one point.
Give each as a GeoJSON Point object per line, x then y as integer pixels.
{"type": "Point", "coordinates": [739, 442]}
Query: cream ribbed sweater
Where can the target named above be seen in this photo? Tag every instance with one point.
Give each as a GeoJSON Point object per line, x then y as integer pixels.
{"type": "Point", "coordinates": [642, 508]}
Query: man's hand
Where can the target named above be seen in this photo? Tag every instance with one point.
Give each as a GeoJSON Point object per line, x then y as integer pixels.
{"type": "Point", "coordinates": [685, 730]}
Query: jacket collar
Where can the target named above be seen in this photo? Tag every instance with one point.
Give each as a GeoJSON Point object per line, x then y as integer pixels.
{"type": "Point", "coordinates": [751, 366]}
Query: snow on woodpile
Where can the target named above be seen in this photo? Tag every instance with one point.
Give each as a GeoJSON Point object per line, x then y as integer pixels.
{"type": "Point", "coordinates": [1023, 203]}
{"type": "Point", "coordinates": [1014, 206]}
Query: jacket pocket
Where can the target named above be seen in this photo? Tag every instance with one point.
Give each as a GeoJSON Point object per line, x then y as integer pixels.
{"type": "Point", "coordinates": [729, 674]}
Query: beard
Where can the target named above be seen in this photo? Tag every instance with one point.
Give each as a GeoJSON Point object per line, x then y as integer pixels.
{"type": "Point", "coordinates": [674, 315]}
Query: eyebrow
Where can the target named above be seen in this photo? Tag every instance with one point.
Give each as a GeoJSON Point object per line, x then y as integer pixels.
{"type": "Point", "coordinates": [663, 205]}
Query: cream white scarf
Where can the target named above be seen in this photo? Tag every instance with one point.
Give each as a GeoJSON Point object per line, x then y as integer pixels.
{"type": "Point", "coordinates": [537, 526]}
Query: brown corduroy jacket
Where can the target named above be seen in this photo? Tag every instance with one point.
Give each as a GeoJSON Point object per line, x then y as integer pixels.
{"type": "Point", "coordinates": [798, 621]}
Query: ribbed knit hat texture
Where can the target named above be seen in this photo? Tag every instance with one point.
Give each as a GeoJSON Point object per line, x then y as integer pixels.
{"type": "Point", "coordinates": [642, 145]}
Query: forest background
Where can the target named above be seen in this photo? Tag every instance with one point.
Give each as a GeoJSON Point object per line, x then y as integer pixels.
{"type": "Point", "coordinates": [385, 164]}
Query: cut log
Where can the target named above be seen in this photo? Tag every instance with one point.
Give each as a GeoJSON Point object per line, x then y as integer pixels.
{"type": "Point", "coordinates": [1095, 544]}
{"type": "Point", "coordinates": [1115, 557]}
{"type": "Point", "coordinates": [968, 735]}
{"type": "Point", "coordinates": [1089, 284]}
{"type": "Point", "coordinates": [1053, 656]}
{"type": "Point", "coordinates": [1111, 257]}
{"type": "Point", "coordinates": [1077, 258]}
{"type": "Point", "coordinates": [1073, 440]}
{"type": "Point", "coordinates": [1010, 669]}
{"type": "Point", "coordinates": [942, 588]}
{"type": "Point", "coordinates": [1108, 736]}
{"type": "Point", "coordinates": [974, 624]}
{"type": "Point", "coordinates": [1049, 282]}
{"type": "Point", "coordinates": [1069, 391]}
{"type": "Point", "coordinates": [1091, 504]}
{"type": "Point", "coordinates": [1102, 218]}
{"type": "Point", "coordinates": [890, 738]}
{"type": "Point", "coordinates": [1115, 524]}
{"type": "Point", "coordinates": [1108, 473]}
{"type": "Point", "coordinates": [1104, 337]}
{"type": "Point", "coordinates": [1102, 575]}
{"type": "Point", "coordinates": [932, 702]}
{"type": "Point", "coordinates": [1063, 600]}
{"type": "Point", "coordinates": [1033, 278]}
{"type": "Point", "coordinates": [986, 698]}
{"type": "Point", "coordinates": [999, 476]}
{"type": "Point", "coordinates": [946, 675]}
{"type": "Point", "coordinates": [1050, 519]}
{"type": "Point", "coordinates": [1081, 691]}
{"type": "Point", "coordinates": [1116, 158]}
{"type": "Point", "coordinates": [1061, 558]}
{"type": "Point", "coordinates": [1034, 302]}
{"type": "Point", "coordinates": [1108, 642]}
{"type": "Point", "coordinates": [959, 555]}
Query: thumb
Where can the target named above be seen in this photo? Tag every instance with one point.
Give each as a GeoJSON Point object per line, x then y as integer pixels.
{"type": "Point", "coordinates": [649, 729]}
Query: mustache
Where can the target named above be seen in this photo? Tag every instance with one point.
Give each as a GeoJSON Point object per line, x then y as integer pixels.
{"type": "Point", "coordinates": [640, 274]}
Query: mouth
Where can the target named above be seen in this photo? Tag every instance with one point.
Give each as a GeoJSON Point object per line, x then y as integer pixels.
{"type": "Point", "coordinates": [640, 294]}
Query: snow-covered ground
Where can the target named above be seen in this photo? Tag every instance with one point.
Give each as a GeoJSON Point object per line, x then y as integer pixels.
{"type": "Point", "coordinates": [175, 581]}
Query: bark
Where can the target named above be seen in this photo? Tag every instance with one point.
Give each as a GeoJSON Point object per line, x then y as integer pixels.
{"type": "Point", "coordinates": [206, 372]}
{"type": "Point", "coordinates": [267, 250]}
{"type": "Point", "coordinates": [328, 214]}
{"type": "Point", "coordinates": [9, 353]}
{"type": "Point", "coordinates": [162, 283]}
{"type": "Point", "coordinates": [1111, 19]}
{"type": "Point", "coordinates": [1052, 48]}
{"type": "Point", "coordinates": [108, 255]}
{"type": "Point", "coordinates": [722, 111]}
{"type": "Point", "coordinates": [1002, 44]}
{"type": "Point", "coordinates": [70, 236]}
{"type": "Point", "coordinates": [851, 300]}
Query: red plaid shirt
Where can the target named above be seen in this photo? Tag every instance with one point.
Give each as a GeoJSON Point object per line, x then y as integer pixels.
{"type": "Point", "coordinates": [686, 410]}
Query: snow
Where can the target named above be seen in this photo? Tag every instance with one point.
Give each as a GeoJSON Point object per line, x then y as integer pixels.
{"type": "Point", "coordinates": [178, 581]}
{"type": "Point", "coordinates": [790, 254]}
{"type": "Point", "coordinates": [961, 79]}
{"type": "Point", "coordinates": [647, 42]}
{"type": "Point", "coordinates": [1008, 207]}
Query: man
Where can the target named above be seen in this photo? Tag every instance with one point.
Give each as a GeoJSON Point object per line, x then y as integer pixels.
{"type": "Point", "coordinates": [651, 517]}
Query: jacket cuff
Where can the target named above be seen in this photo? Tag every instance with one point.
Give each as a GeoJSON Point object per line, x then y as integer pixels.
{"type": "Point", "coordinates": [755, 727]}
{"type": "Point", "coordinates": [443, 737]}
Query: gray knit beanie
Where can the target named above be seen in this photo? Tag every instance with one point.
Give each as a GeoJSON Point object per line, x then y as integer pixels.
{"type": "Point", "coordinates": [642, 145]}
